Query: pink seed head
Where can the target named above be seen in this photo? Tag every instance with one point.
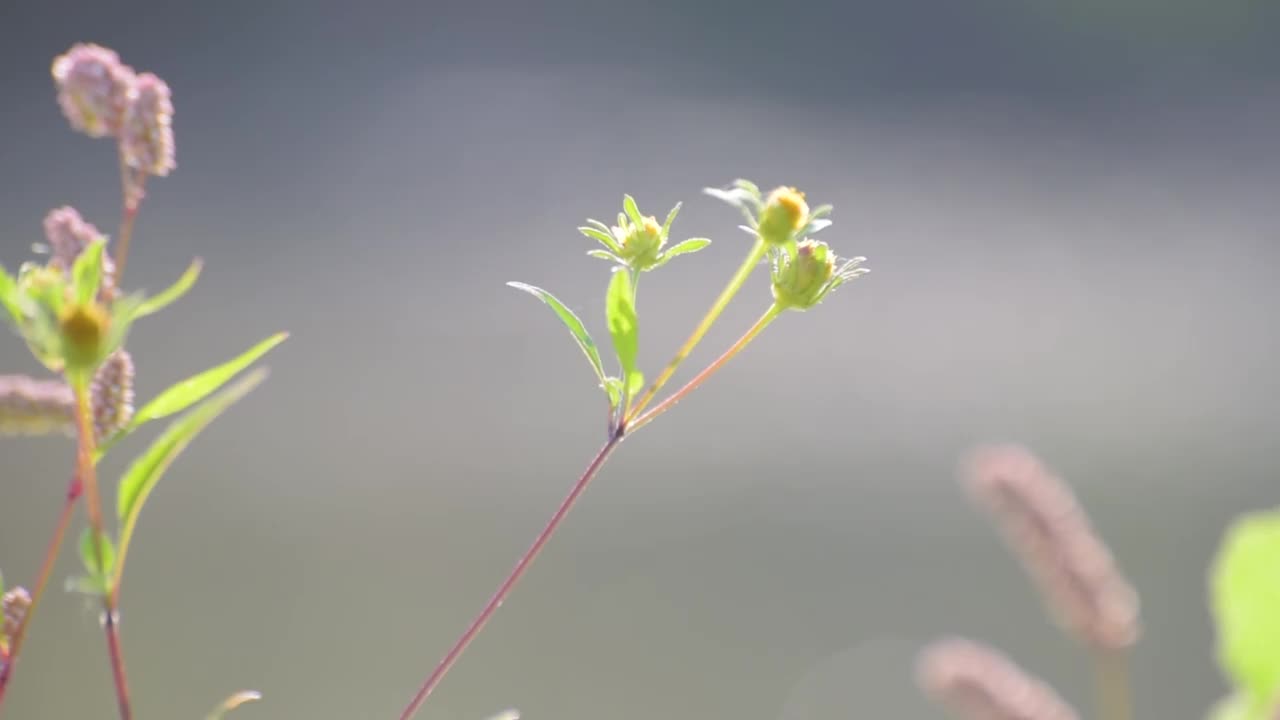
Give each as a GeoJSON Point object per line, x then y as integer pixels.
{"type": "Point", "coordinates": [146, 134]}
{"type": "Point", "coordinates": [92, 88]}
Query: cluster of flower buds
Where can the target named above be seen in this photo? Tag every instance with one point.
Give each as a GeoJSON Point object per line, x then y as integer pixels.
{"type": "Point", "coordinates": [13, 605]}
{"type": "Point", "coordinates": [103, 97]}
{"type": "Point", "coordinates": [638, 241]}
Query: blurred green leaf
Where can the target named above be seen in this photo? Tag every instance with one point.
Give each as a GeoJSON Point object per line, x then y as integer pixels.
{"type": "Point", "coordinates": [10, 296]}
{"type": "Point", "coordinates": [624, 327]}
{"type": "Point", "coordinates": [571, 321]}
{"type": "Point", "coordinates": [145, 472]}
{"type": "Point", "coordinates": [158, 302]}
{"type": "Point", "coordinates": [671, 217]}
{"type": "Point", "coordinates": [605, 255]}
{"type": "Point", "coordinates": [86, 271]}
{"type": "Point", "coordinates": [691, 245]}
{"type": "Point", "coordinates": [603, 237]}
{"type": "Point", "coordinates": [99, 573]}
{"type": "Point", "coordinates": [184, 394]}
{"type": "Point", "coordinates": [1232, 707]}
{"type": "Point", "coordinates": [233, 702]}
{"type": "Point", "coordinates": [1245, 592]}
{"type": "Point", "coordinates": [633, 211]}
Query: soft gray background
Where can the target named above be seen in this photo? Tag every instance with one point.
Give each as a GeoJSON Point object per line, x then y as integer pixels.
{"type": "Point", "coordinates": [1070, 212]}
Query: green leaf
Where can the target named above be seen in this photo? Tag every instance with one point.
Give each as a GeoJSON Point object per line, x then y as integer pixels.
{"type": "Point", "coordinates": [613, 386]}
{"type": "Point", "coordinates": [145, 472]}
{"type": "Point", "coordinates": [158, 302]}
{"type": "Point", "coordinates": [671, 217]}
{"type": "Point", "coordinates": [633, 211]}
{"type": "Point", "coordinates": [1245, 592]}
{"type": "Point", "coordinates": [99, 572]}
{"type": "Point", "coordinates": [10, 296]}
{"type": "Point", "coordinates": [1233, 707]}
{"type": "Point", "coordinates": [86, 272]}
{"type": "Point", "coordinates": [233, 702]}
{"type": "Point", "coordinates": [691, 245]}
{"type": "Point", "coordinates": [606, 255]}
{"type": "Point", "coordinates": [571, 321]}
{"type": "Point", "coordinates": [624, 327]}
{"type": "Point", "coordinates": [182, 395]}
{"type": "Point", "coordinates": [602, 237]}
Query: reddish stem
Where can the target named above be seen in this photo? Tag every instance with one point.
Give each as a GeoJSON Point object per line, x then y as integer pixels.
{"type": "Point", "coordinates": [513, 577]}
{"type": "Point", "coordinates": [46, 571]}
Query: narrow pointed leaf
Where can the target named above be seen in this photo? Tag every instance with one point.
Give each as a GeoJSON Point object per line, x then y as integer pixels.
{"type": "Point", "coordinates": [633, 211]}
{"type": "Point", "coordinates": [602, 237]}
{"type": "Point", "coordinates": [233, 702]}
{"type": "Point", "coordinates": [86, 272]}
{"type": "Point", "coordinates": [605, 255]}
{"type": "Point", "coordinates": [158, 302]}
{"type": "Point", "coordinates": [671, 217]}
{"type": "Point", "coordinates": [571, 321]}
{"type": "Point", "coordinates": [188, 392]}
{"type": "Point", "coordinates": [624, 327]}
{"type": "Point", "coordinates": [145, 472]}
{"type": "Point", "coordinates": [9, 296]}
{"type": "Point", "coordinates": [98, 572]}
{"type": "Point", "coordinates": [688, 246]}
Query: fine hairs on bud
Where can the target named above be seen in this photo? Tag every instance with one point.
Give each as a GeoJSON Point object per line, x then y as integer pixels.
{"type": "Point", "coordinates": [978, 683]}
{"type": "Point", "coordinates": [112, 394]}
{"type": "Point", "coordinates": [35, 407]}
{"type": "Point", "coordinates": [1045, 526]}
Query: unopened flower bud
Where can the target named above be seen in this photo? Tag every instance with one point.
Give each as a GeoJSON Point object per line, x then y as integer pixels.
{"type": "Point", "coordinates": [92, 86]}
{"type": "Point", "coordinates": [83, 330]}
{"type": "Point", "coordinates": [785, 213]}
{"type": "Point", "coordinates": [146, 135]}
{"type": "Point", "coordinates": [800, 282]}
{"type": "Point", "coordinates": [641, 244]}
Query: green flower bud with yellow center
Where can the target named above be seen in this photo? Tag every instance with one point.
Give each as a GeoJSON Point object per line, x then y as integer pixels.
{"type": "Point", "coordinates": [641, 245]}
{"type": "Point", "coordinates": [785, 213]}
{"type": "Point", "coordinates": [801, 280]}
{"type": "Point", "coordinates": [83, 330]}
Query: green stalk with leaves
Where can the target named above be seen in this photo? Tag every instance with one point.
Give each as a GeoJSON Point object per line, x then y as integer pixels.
{"type": "Point", "coordinates": [75, 318]}
{"type": "Point", "coordinates": [803, 273]}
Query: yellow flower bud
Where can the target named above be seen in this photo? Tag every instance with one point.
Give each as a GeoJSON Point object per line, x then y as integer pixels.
{"type": "Point", "coordinates": [800, 282]}
{"type": "Point", "coordinates": [83, 329]}
{"type": "Point", "coordinates": [641, 244]}
{"type": "Point", "coordinates": [785, 213]}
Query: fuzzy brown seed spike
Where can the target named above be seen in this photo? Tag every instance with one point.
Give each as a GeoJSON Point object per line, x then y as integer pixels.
{"type": "Point", "coordinates": [112, 394]}
{"type": "Point", "coordinates": [14, 605]}
{"type": "Point", "coordinates": [1045, 526]}
{"type": "Point", "coordinates": [978, 683]}
{"type": "Point", "coordinates": [35, 407]}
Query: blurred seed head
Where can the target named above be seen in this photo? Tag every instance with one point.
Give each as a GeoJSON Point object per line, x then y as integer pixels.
{"type": "Point", "coordinates": [146, 135]}
{"type": "Point", "coordinates": [979, 683]}
{"type": "Point", "coordinates": [14, 605]}
{"type": "Point", "coordinates": [68, 235]}
{"type": "Point", "coordinates": [35, 407]}
{"type": "Point", "coordinates": [92, 88]}
{"type": "Point", "coordinates": [1045, 526]}
{"type": "Point", "coordinates": [112, 394]}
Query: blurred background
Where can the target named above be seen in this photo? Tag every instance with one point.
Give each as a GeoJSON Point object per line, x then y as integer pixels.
{"type": "Point", "coordinates": [1069, 209]}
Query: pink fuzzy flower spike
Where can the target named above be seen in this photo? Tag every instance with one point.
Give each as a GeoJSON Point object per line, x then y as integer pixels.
{"type": "Point", "coordinates": [146, 134]}
{"type": "Point", "coordinates": [93, 86]}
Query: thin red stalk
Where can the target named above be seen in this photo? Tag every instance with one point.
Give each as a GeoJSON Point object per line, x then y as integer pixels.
{"type": "Point", "coordinates": [648, 417]}
{"type": "Point", "coordinates": [128, 214]}
{"type": "Point", "coordinates": [42, 581]}
{"type": "Point", "coordinates": [88, 475]}
{"type": "Point", "coordinates": [513, 577]}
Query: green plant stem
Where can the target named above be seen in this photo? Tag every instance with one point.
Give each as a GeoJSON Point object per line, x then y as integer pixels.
{"type": "Point", "coordinates": [1111, 684]}
{"type": "Point", "coordinates": [89, 478]}
{"type": "Point", "coordinates": [735, 284]}
{"type": "Point", "coordinates": [768, 317]}
{"type": "Point", "coordinates": [42, 581]}
{"type": "Point", "coordinates": [513, 577]}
